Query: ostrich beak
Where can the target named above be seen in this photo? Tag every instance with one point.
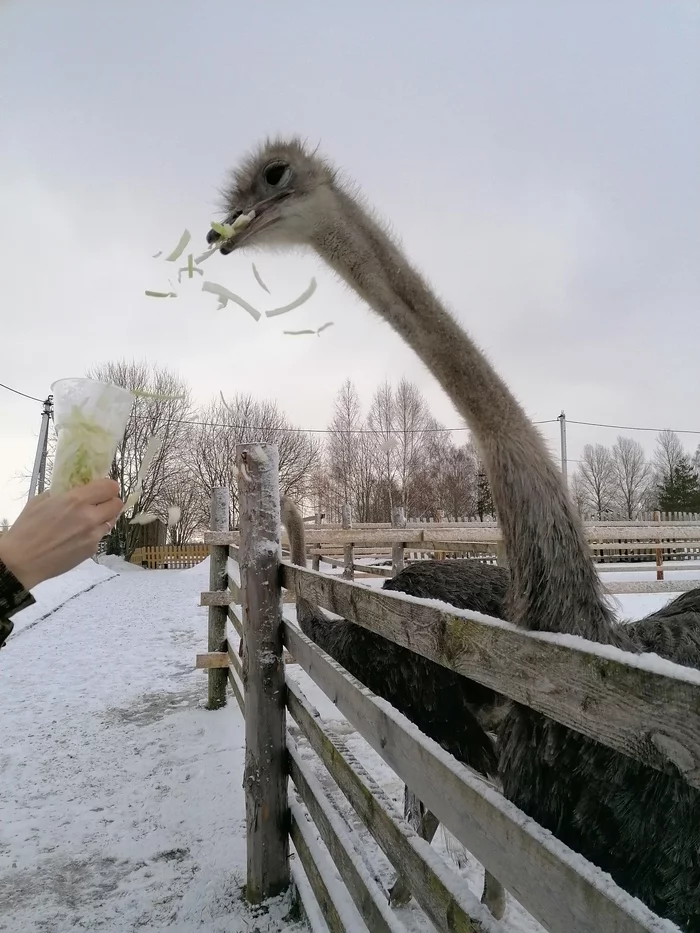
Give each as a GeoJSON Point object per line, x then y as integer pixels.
{"type": "Point", "coordinates": [264, 215]}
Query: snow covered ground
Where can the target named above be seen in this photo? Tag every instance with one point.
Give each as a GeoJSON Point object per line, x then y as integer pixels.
{"type": "Point", "coordinates": [121, 805]}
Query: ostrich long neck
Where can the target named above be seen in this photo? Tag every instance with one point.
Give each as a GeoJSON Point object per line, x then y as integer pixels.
{"type": "Point", "coordinates": [554, 585]}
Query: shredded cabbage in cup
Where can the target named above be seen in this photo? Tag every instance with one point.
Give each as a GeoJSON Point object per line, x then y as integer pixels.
{"type": "Point", "coordinates": [84, 452]}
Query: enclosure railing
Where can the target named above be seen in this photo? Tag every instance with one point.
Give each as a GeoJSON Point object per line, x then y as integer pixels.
{"type": "Point", "coordinates": [170, 557]}
{"type": "Point", "coordinates": [633, 705]}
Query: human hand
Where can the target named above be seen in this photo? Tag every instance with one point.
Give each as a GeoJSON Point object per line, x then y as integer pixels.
{"type": "Point", "coordinates": [55, 533]}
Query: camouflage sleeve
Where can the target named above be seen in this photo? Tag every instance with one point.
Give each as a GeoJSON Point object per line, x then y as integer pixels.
{"type": "Point", "coordinates": [13, 597]}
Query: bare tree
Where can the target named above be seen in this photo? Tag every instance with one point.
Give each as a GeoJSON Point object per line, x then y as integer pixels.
{"type": "Point", "coordinates": [632, 475]}
{"type": "Point", "coordinates": [341, 446]}
{"type": "Point", "coordinates": [413, 428]}
{"type": "Point", "coordinates": [366, 478]}
{"type": "Point", "coordinates": [578, 495]}
{"type": "Point", "coordinates": [166, 415]}
{"type": "Point", "coordinates": [380, 421]}
{"type": "Point", "coordinates": [183, 491]}
{"type": "Point", "coordinates": [211, 454]}
{"type": "Point", "coordinates": [668, 455]}
{"type": "Point", "coordinates": [457, 481]}
{"type": "Point", "coordinates": [597, 479]}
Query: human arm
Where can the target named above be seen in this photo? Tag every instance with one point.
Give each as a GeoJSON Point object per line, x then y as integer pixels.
{"type": "Point", "coordinates": [52, 534]}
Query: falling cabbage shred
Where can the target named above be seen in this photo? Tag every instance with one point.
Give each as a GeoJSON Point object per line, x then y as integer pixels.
{"type": "Point", "coordinates": [258, 279]}
{"type": "Point", "coordinates": [311, 288]}
{"type": "Point", "coordinates": [223, 293]}
{"type": "Point", "coordinates": [180, 248]}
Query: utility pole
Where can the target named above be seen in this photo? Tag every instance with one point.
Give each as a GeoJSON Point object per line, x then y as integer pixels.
{"type": "Point", "coordinates": [562, 429]}
{"type": "Point", "coordinates": [39, 471]}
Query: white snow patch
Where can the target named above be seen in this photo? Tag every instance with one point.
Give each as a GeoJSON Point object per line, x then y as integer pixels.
{"type": "Point", "coordinates": [118, 564]}
{"type": "Point", "coordinates": [123, 806]}
{"type": "Point", "coordinates": [51, 594]}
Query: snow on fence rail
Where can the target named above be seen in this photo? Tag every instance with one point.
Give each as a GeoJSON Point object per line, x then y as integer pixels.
{"type": "Point", "coordinates": [641, 706]}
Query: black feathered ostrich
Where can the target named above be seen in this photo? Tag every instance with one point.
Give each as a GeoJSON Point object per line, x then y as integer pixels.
{"type": "Point", "coordinates": [458, 713]}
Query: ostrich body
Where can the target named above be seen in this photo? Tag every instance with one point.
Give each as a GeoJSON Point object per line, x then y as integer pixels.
{"type": "Point", "coordinates": [447, 707]}
{"type": "Point", "coordinates": [640, 825]}
{"type": "Point", "coordinates": [456, 712]}
{"type": "Point", "coordinates": [466, 584]}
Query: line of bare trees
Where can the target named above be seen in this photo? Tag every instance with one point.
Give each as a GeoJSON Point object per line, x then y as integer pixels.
{"type": "Point", "coordinates": [395, 453]}
{"type": "Point", "coordinates": [622, 481]}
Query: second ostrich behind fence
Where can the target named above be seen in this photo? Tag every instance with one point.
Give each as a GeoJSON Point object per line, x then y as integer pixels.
{"type": "Point", "coordinates": [456, 712]}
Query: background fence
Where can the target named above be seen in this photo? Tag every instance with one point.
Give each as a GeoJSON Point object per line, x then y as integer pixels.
{"type": "Point", "coordinates": [170, 557]}
{"type": "Point", "coordinates": [606, 699]}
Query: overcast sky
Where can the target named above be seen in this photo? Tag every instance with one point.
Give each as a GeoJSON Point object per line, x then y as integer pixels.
{"type": "Point", "coordinates": [539, 160]}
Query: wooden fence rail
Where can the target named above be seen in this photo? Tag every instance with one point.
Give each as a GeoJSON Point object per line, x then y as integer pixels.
{"type": "Point", "coordinates": [628, 702]}
{"type": "Point", "coordinates": [170, 557]}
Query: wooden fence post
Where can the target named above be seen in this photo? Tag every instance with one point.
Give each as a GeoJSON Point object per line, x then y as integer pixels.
{"type": "Point", "coordinates": [440, 517]}
{"type": "Point", "coordinates": [501, 556]}
{"type": "Point", "coordinates": [218, 580]}
{"type": "Point", "coordinates": [398, 520]}
{"type": "Point", "coordinates": [316, 560]}
{"type": "Point", "coordinates": [348, 550]}
{"type": "Point", "coordinates": [265, 777]}
{"type": "Point", "coordinates": [659, 553]}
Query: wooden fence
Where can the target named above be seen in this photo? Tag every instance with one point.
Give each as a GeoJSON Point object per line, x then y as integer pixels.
{"type": "Point", "coordinates": [170, 557]}
{"type": "Point", "coordinates": [616, 703]}
{"type": "Point", "coordinates": [676, 548]}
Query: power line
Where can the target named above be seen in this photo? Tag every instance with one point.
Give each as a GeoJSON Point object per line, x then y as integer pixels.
{"type": "Point", "coordinates": [252, 427]}
{"type": "Point", "coordinates": [23, 394]}
{"type": "Point", "coordinates": [216, 424]}
{"type": "Point", "coordinates": [626, 427]}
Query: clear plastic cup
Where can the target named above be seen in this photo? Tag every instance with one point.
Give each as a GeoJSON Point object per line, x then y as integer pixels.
{"type": "Point", "coordinates": [90, 420]}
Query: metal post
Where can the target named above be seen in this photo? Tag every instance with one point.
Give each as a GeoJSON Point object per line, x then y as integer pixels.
{"type": "Point", "coordinates": [39, 470]}
{"type": "Point", "coordinates": [562, 429]}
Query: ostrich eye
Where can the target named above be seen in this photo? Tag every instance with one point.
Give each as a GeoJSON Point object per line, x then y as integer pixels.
{"type": "Point", "coordinates": [276, 174]}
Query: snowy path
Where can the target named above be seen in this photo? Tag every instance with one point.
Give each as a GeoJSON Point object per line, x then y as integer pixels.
{"type": "Point", "coordinates": [106, 819]}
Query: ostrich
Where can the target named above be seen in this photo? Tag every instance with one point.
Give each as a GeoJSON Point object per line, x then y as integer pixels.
{"type": "Point", "coordinates": [640, 825]}
{"type": "Point", "coordinates": [458, 713]}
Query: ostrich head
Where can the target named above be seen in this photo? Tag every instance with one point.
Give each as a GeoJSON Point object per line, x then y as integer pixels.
{"type": "Point", "coordinates": [290, 190]}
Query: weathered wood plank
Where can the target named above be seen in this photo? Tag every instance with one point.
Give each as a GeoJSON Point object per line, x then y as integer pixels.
{"type": "Point", "coordinates": [221, 598]}
{"type": "Point", "coordinates": [299, 831]}
{"type": "Point", "coordinates": [218, 580]}
{"type": "Point", "coordinates": [444, 896]}
{"type": "Point", "coordinates": [542, 873]}
{"type": "Point", "coordinates": [237, 690]}
{"type": "Point", "coordinates": [611, 696]}
{"type": "Point", "coordinates": [265, 776]}
{"type": "Point", "coordinates": [235, 620]}
{"type": "Point", "coordinates": [235, 590]}
{"type": "Point", "coordinates": [476, 532]}
{"type": "Point", "coordinates": [213, 659]}
{"type": "Point", "coordinates": [348, 555]}
{"type": "Point", "coordinates": [398, 520]}
{"type": "Point", "coordinates": [235, 662]}
{"type": "Point", "coordinates": [338, 839]}
{"type": "Point", "coordinates": [652, 586]}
